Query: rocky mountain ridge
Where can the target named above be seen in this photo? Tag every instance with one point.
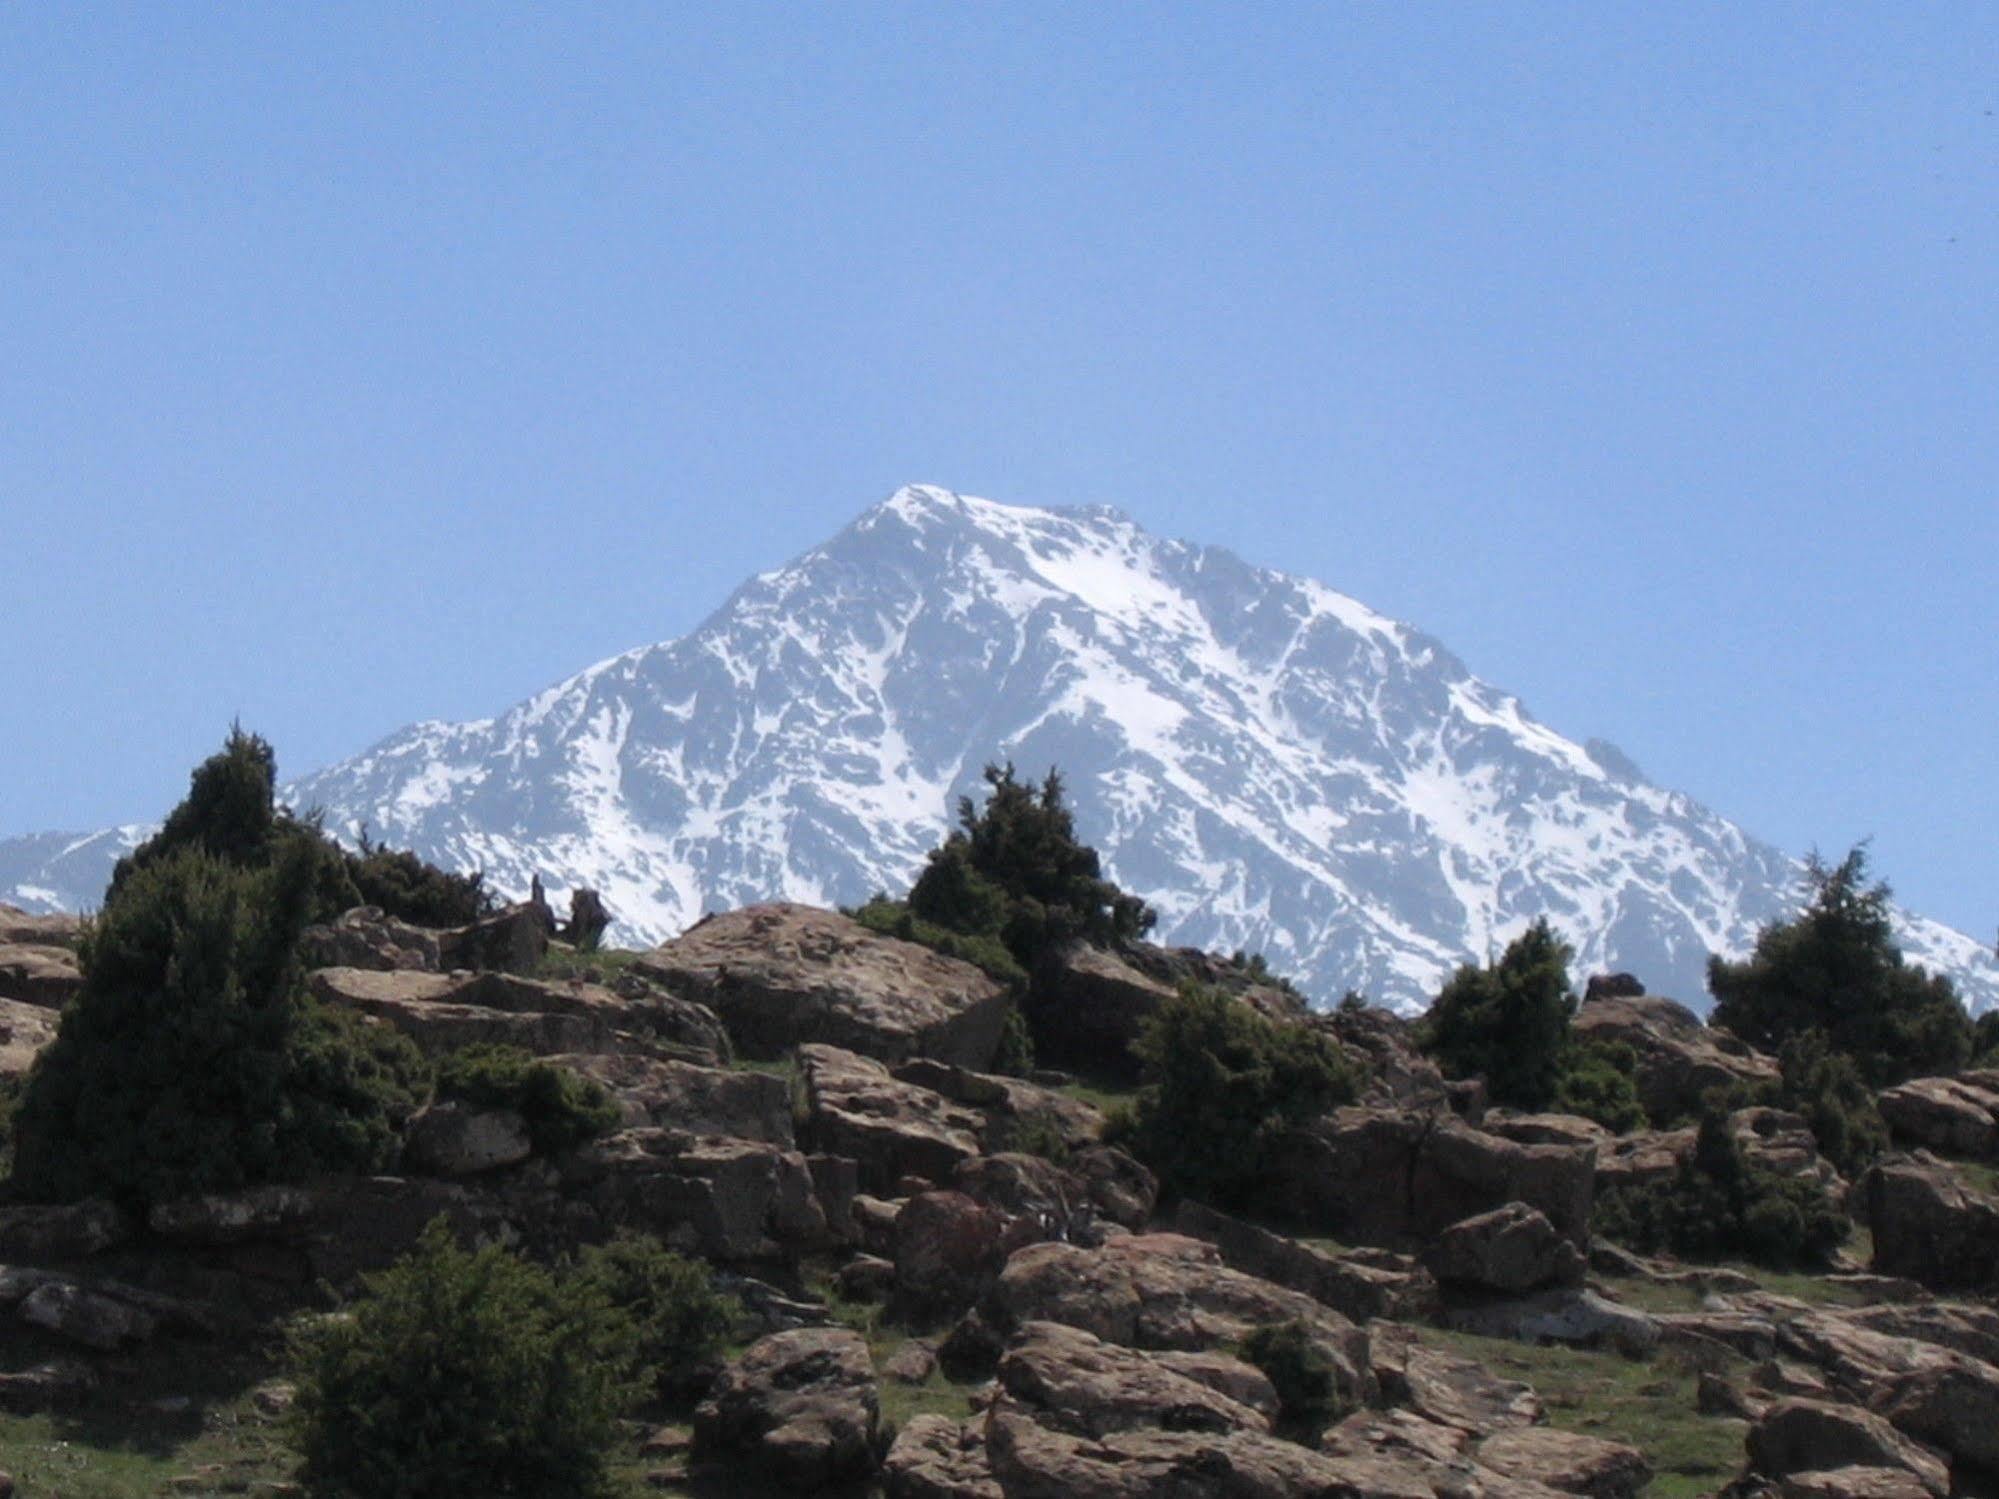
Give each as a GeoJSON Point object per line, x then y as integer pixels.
{"type": "Point", "coordinates": [1271, 764]}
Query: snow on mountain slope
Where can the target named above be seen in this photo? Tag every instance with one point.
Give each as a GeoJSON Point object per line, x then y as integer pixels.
{"type": "Point", "coordinates": [1272, 764]}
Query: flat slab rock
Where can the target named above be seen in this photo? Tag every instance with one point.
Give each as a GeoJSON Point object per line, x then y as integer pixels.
{"type": "Point", "coordinates": [38, 974]}
{"type": "Point", "coordinates": [855, 1108]}
{"type": "Point", "coordinates": [781, 975]}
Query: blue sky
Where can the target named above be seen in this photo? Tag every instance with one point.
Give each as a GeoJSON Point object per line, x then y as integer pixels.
{"type": "Point", "coordinates": [366, 363]}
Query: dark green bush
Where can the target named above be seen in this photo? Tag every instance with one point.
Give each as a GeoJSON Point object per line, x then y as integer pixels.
{"type": "Point", "coordinates": [1718, 1206]}
{"type": "Point", "coordinates": [1836, 969]}
{"type": "Point", "coordinates": [1299, 1368]}
{"type": "Point", "coordinates": [1015, 1054]}
{"type": "Point", "coordinates": [411, 890]}
{"type": "Point", "coordinates": [1507, 1022]}
{"type": "Point", "coordinates": [193, 1060]}
{"type": "Point", "coordinates": [1221, 1086]}
{"type": "Point", "coordinates": [1015, 870]}
{"type": "Point", "coordinates": [230, 812]}
{"type": "Point", "coordinates": [1034, 1134]}
{"type": "Point", "coordinates": [1597, 1079]}
{"type": "Point", "coordinates": [1826, 1087]}
{"type": "Point", "coordinates": [562, 1108]}
{"type": "Point", "coordinates": [680, 1320]}
{"type": "Point", "coordinates": [463, 1373]}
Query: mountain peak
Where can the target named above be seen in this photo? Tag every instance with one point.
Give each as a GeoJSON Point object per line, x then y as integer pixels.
{"type": "Point", "coordinates": [1273, 765]}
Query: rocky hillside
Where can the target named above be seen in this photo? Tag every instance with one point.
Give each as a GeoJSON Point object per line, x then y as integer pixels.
{"type": "Point", "coordinates": [1273, 765]}
{"type": "Point", "coordinates": [929, 1311]}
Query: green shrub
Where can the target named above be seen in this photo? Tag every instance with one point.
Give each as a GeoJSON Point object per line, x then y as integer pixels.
{"type": "Point", "coordinates": [680, 1320]}
{"type": "Point", "coordinates": [1034, 1134]}
{"type": "Point", "coordinates": [1015, 870]}
{"type": "Point", "coordinates": [1299, 1368]}
{"type": "Point", "coordinates": [1597, 1079]}
{"type": "Point", "coordinates": [1826, 1087]}
{"type": "Point", "coordinates": [193, 1060]}
{"type": "Point", "coordinates": [562, 1108]}
{"type": "Point", "coordinates": [230, 812]}
{"type": "Point", "coordinates": [1507, 1022]}
{"type": "Point", "coordinates": [1014, 1056]}
{"type": "Point", "coordinates": [1221, 1086]}
{"type": "Point", "coordinates": [462, 1373]}
{"type": "Point", "coordinates": [1718, 1206]}
{"type": "Point", "coordinates": [1836, 969]}
{"type": "Point", "coordinates": [411, 890]}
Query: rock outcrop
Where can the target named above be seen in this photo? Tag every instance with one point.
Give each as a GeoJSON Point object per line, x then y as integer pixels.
{"type": "Point", "coordinates": [1954, 1116]}
{"type": "Point", "coordinates": [1928, 1225]}
{"type": "Point", "coordinates": [801, 1406]}
{"type": "Point", "coordinates": [1511, 1249]}
{"type": "Point", "coordinates": [1397, 1178]}
{"type": "Point", "coordinates": [781, 976]}
{"type": "Point", "coordinates": [1679, 1058]}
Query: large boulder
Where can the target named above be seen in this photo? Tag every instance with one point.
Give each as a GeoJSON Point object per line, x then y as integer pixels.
{"type": "Point", "coordinates": [514, 940]}
{"type": "Point", "coordinates": [1774, 1140]}
{"type": "Point", "coordinates": [893, 1129]}
{"type": "Point", "coordinates": [1446, 1388]}
{"type": "Point", "coordinates": [736, 1200]}
{"type": "Point", "coordinates": [25, 1029]}
{"type": "Point", "coordinates": [1956, 1116]}
{"type": "Point", "coordinates": [1013, 1107]}
{"type": "Point", "coordinates": [1096, 1388]}
{"type": "Point", "coordinates": [1167, 1291]}
{"type": "Point", "coordinates": [1946, 1399]}
{"type": "Point", "coordinates": [1929, 1225]}
{"type": "Point", "coordinates": [1089, 1005]}
{"type": "Point", "coordinates": [1679, 1058]}
{"type": "Point", "coordinates": [1359, 1286]}
{"type": "Point", "coordinates": [948, 1251]}
{"type": "Point", "coordinates": [783, 975]}
{"type": "Point", "coordinates": [366, 937]}
{"type": "Point", "coordinates": [801, 1405]}
{"type": "Point", "coordinates": [1397, 1178]}
{"type": "Point", "coordinates": [1569, 1462]}
{"type": "Point", "coordinates": [1798, 1435]}
{"type": "Point", "coordinates": [455, 1139]}
{"type": "Point", "coordinates": [743, 1104]}
{"type": "Point", "coordinates": [44, 976]}
{"type": "Point", "coordinates": [1513, 1248]}
{"type": "Point", "coordinates": [1034, 1456]}
{"type": "Point", "coordinates": [447, 1012]}
{"type": "Point", "coordinates": [935, 1457]}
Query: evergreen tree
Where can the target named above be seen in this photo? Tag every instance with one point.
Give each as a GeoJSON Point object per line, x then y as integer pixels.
{"type": "Point", "coordinates": [1507, 1022]}
{"type": "Point", "coordinates": [1835, 968]}
{"type": "Point", "coordinates": [1015, 870]}
{"type": "Point", "coordinates": [1222, 1087]}
{"type": "Point", "coordinates": [193, 1060]}
{"type": "Point", "coordinates": [230, 814]}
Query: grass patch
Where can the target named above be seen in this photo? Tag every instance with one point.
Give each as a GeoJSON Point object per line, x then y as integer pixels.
{"type": "Point", "coordinates": [1100, 1092]}
{"type": "Point", "coordinates": [1648, 1403]}
{"type": "Point", "coordinates": [599, 967]}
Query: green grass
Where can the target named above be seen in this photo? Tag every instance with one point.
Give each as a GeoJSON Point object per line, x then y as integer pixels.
{"type": "Point", "coordinates": [1648, 1403]}
{"type": "Point", "coordinates": [1104, 1093]}
{"type": "Point", "coordinates": [598, 967]}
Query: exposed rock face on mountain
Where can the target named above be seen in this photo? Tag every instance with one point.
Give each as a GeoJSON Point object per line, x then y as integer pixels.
{"type": "Point", "coordinates": [780, 975]}
{"type": "Point", "coordinates": [1273, 765]}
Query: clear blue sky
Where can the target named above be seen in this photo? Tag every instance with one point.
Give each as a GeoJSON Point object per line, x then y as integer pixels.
{"type": "Point", "coordinates": [367, 363]}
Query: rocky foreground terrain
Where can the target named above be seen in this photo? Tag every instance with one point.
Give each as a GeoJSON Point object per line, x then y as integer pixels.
{"type": "Point", "coordinates": [953, 1289]}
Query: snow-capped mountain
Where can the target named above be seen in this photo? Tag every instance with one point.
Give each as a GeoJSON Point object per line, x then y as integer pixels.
{"type": "Point", "coordinates": [1274, 766]}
